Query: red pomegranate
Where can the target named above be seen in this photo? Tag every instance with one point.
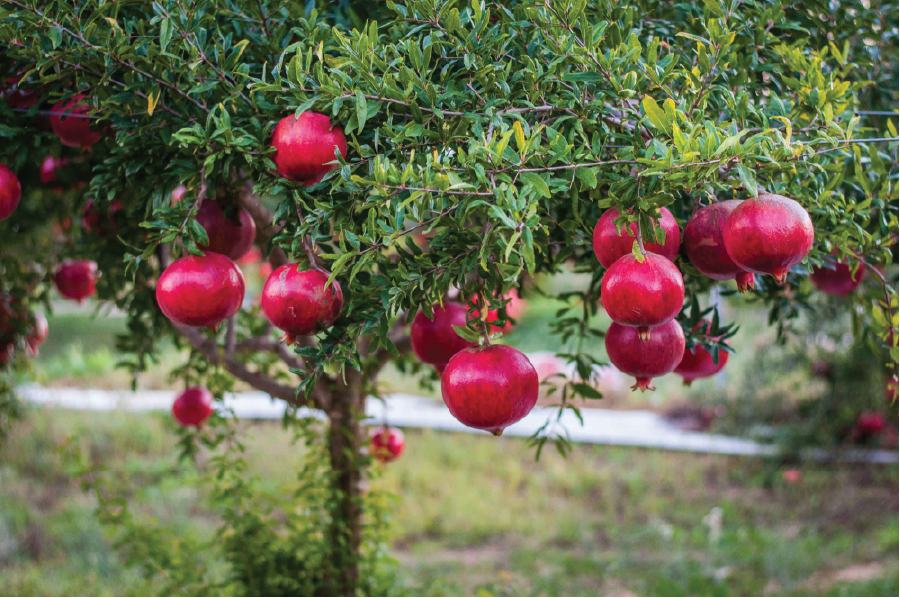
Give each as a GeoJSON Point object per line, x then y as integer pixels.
{"type": "Point", "coordinates": [298, 302]}
{"type": "Point", "coordinates": [435, 341]}
{"type": "Point", "coordinates": [642, 294]}
{"type": "Point", "coordinates": [697, 362]}
{"type": "Point", "coordinates": [489, 388]}
{"type": "Point", "coordinates": [254, 256]}
{"type": "Point", "coordinates": [21, 98]}
{"type": "Point", "coordinates": [230, 233]}
{"type": "Point", "coordinates": [515, 307]}
{"type": "Point", "coordinates": [870, 423]}
{"type": "Point", "coordinates": [49, 167]}
{"type": "Point", "coordinates": [386, 443]}
{"type": "Point", "coordinates": [839, 281]}
{"type": "Point", "coordinates": [439, 368]}
{"type": "Point", "coordinates": [645, 359]}
{"type": "Point", "coordinates": [304, 146]}
{"type": "Point", "coordinates": [178, 194]}
{"type": "Point", "coordinates": [103, 223]}
{"type": "Point", "coordinates": [39, 332]}
{"type": "Point", "coordinates": [70, 123]}
{"type": "Point", "coordinates": [609, 245]}
{"type": "Point", "coordinates": [200, 291]}
{"type": "Point", "coordinates": [10, 192]}
{"type": "Point", "coordinates": [193, 406]}
{"type": "Point", "coordinates": [76, 279]}
{"type": "Point", "coordinates": [768, 235]}
{"type": "Point", "coordinates": [705, 247]}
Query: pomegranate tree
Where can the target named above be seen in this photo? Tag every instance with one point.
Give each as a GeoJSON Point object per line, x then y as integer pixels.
{"type": "Point", "coordinates": [200, 291]}
{"type": "Point", "coordinates": [193, 406]}
{"type": "Point", "coordinates": [298, 302]}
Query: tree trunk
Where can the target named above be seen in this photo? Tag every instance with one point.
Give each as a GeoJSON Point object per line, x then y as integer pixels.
{"type": "Point", "coordinates": [345, 441]}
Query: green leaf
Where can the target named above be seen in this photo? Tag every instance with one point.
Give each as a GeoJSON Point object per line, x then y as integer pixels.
{"type": "Point", "coordinates": [747, 180]}
{"type": "Point", "coordinates": [165, 34]}
{"type": "Point", "coordinates": [467, 334]}
{"type": "Point", "coordinates": [656, 115]}
{"type": "Point", "coordinates": [729, 142]}
{"type": "Point", "coordinates": [586, 390]}
{"type": "Point", "coordinates": [537, 183]}
{"type": "Point", "coordinates": [695, 38]}
{"type": "Point", "coordinates": [55, 36]}
{"type": "Point", "coordinates": [584, 77]}
{"type": "Point", "coordinates": [713, 7]}
{"type": "Point", "coordinates": [362, 110]}
{"type": "Point", "coordinates": [587, 176]}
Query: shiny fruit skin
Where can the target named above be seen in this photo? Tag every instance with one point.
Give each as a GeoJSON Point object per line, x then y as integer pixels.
{"type": "Point", "coordinates": [193, 406]}
{"type": "Point", "coordinates": [704, 244]}
{"type": "Point", "coordinates": [76, 279]}
{"type": "Point", "coordinates": [70, 126]}
{"type": "Point", "coordinates": [839, 282]}
{"type": "Point", "coordinates": [304, 145]}
{"type": "Point", "coordinates": [768, 235]}
{"type": "Point", "coordinates": [609, 246]}
{"type": "Point", "coordinates": [10, 192]}
{"type": "Point", "coordinates": [200, 292]}
{"type": "Point", "coordinates": [40, 330]}
{"type": "Point", "coordinates": [386, 443]}
{"type": "Point", "coordinates": [299, 303]}
{"type": "Point", "coordinates": [642, 295]}
{"type": "Point", "coordinates": [435, 341]}
{"type": "Point", "coordinates": [645, 359]}
{"type": "Point", "coordinates": [229, 235]}
{"type": "Point", "coordinates": [697, 362]}
{"type": "Point", "coordinates": [489, 388]}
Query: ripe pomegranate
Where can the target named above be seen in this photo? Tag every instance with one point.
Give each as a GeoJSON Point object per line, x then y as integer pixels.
{"type": "Point", "coordinates": [792, 476]}
{"type": "Point", "coordinates": [515, 307]}
{"type": "Point", "coordinates": [178, 194]}
{"type": "Point", "coordinates": [193, 406]}
{"type": "Point", "coordinates": [642, 294]}
{"type": "Point", "coordinates": [93, 221]}
{"type": "Point", "coordinates": [439, 368]}
{"type": "Point", "coordinates": [254, 256]}
{"type": "Point", "coordinates": [435, 341]}
{"type": "Point", "coordinates": [697, 362]}
{"type": "Point", "coordinates": [10, 192]}
{"type": "Point", "coordinates": [304, 145]}
{"type": "Point", "coordinates": [870, 423]}
{"type": "Point", "coordinates": [48, 169]}
{"type": "Point", "coordinates": [609, 245]}
{"type": "Point", "coordinates": [705, 247]}
{"type": "Point", "coordinates": [386, 443]}
{"type": "Point", "coordinates": [840, 281]}
{"type": "Point", "coordinates": [200, 291]}
{"type": "Point", "coordinates": [489, 388]}
{"type": "Point", "coordinates": [645, 359]}
{"type": "Point", "coordinates": [232, 234]}
{"type": "Point", "coordinates": [70, 124]}
{"type": "Point", "coordinates": [76, 279]}
{"type": "Point", "coordinates": [21, 98]}
{"type": "Point", "coordinates": [39, 332]}
{"type": "Point", "coordinates": [768, 235]}
{"type": "Point", "coordinates": [299, 303]}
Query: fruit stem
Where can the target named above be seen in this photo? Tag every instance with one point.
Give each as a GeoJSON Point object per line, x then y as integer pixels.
{"type": "Point", "coordinates": [640, 238]}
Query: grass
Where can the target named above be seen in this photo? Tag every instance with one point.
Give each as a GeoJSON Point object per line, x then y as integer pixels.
{"type": "Point", "coordinates": [477, 515]}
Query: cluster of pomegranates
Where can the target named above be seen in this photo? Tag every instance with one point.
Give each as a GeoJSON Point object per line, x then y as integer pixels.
{"type": "Point", "coordinates": [643, 293]}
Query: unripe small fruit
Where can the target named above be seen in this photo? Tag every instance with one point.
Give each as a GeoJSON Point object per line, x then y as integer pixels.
{"type": "Point", "coordinates": [232, 234]}
{"type": "Point", "coordinates": [704, 245]}
{"type": "Point", "coordinates": [304, 146]}
{"type": "Point", "coordinates": [298, 303]}
{"type": "Point", "coordinates": [70, 123]}
{"type": "Point", "coordinates": [435, 341]}
{"type": "Point", "coordinates": [193, 406]}
{"type": "Point", "coordinates": [489, 388]}
{"type": "Point", "coordinates": [645, 359]}
{"type": "Point", "coordinates": [609, 245]}
{"type": "Point", "coordinates": [10, 192]}
{"type": "Point", "coordinates": [200, 291]}
{"type": "Point", "coordinates": [768, 235]}
{"type": "Point", "coordinates": [76, 279]}
{"type": "Point", "coordinates": [838, 280]}
{"type": "Point", "coordinates": [642, 294]}
{"type": "Point", "coordinates": [386, 443]}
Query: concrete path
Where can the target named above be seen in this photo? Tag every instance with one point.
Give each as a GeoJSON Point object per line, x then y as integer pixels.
{"type": "Point", "coordinates": [601, 426]}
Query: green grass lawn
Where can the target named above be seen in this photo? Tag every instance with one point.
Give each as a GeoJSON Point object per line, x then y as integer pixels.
{"type": "Point", "coordinates": [477, 515]}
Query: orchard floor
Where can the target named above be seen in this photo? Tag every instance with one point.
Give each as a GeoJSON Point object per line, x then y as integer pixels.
{"type": "Point", "coordinates": [478, 515]}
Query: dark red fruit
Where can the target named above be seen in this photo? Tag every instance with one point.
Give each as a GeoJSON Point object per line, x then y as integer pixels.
{"type": "Point", "coordinates": [705, 247]}
{"type": "Point", "coordinates": [48, 169]}
{"type": "Point", "coordinates": [76, 279]}
{"type": "Point", "coordinates": [304, 145]}
{"type": "Point", "coordinates": [435, 341]}
{"type": "Point", "coordinates": [609, 245]}
{"type": "Point", "coordinates": [768, 235]}
{"type": "Point", "coordinates": [839, 281]}
{"type": "Point", "coordinates": [439, 368]}
{"type": "Point", "coordinates": [870, 423]}
{"type": "Point", "coordinates": [193, 406]}
{"type": "Point", "coordinates": [489, 388]}
{"type": "Point", "coordinates": [386, 443]}
{"type": "Point", "coordinates": [299, 303]}
{"type": "Point", "coordinates": [230, 234]}
{"type": "Point", "coordinates": [200, 291]}
{"type": "Point", "coordinates": [642, 294]}
{"type": "Point", "coordinates": [39, 332]}
{"type": "Point", "coordinates": [70, 123]}
{"type": "Point", "coordinates": [697, 362]}
{"type": "Point", "coordinates": [10, 192]}
{"type": "Point", "coordinates": [93, 220]}
{"type": "Point", "coordinates": [515, 307]}
{"type": "Point", "coordinates": [645, 359]}
{"type": "Point", "coordinates": [21, 98]}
